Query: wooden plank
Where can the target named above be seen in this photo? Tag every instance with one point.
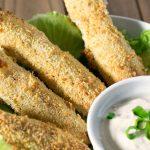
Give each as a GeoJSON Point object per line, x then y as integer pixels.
{"type": "Point", "coordinates": [1, 4]}
{"type": "Point", "coordinates": [144, 6]}
{"type": "Point", "coordinates": [138, 9]}
{"type": "Point", "coordinates": [126, 8]}
{"type": "Point", "coordinates": [57, 5]}
{"type": "Point", "coordinates": [26, 9]}
{"type": "Point", "coordinates": [10, 5]}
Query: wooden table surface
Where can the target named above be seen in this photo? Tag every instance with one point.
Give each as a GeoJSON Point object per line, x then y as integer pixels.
{"type": "Point", "coordinates": [139, 9]}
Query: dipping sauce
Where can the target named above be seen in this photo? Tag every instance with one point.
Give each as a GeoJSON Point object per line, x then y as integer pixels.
{"type": "Point", "coordinates": [114, 129]}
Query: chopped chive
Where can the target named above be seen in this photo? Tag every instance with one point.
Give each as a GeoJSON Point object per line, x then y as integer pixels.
{"type": "Point", "coordinates": [147, 130]}
{"type": "Point", "coordinates": [131, 132]}
{"type": "Point", "coordinates": [140, 112]}
{"type": "Point", "coordinates": [149, 115]}
{"type": "Point", "coordinates": [140, 124]}
{"type": "Point", "coordinates": [110, 115]}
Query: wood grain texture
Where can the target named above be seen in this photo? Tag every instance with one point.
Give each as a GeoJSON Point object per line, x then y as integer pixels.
{"type": "Point", "coordinates": [26, 9]}
{"type": "Point", "coordinates": [10, 5]}
{"type": "Point", "coordinates": [139, 9]}
{"type": "Point", "coordinates": [126, 8]}
{"type": "Point", "coordinates": [57, 5]}
{"type": "Point", "coordinates": [1, 4]}
{"type": "Point", "coordinates": [144, 7]}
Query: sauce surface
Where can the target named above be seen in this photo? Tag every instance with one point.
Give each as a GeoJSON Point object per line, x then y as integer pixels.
{"type": "Point", "coordinates": [114, 129]}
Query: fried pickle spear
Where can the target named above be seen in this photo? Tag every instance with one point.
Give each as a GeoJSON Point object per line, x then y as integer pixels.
{"type": "Point", "coordinates": [57, 69]}
{"type": "Point", "coordinates": [27, 95]}
{"type": "Point", "coordinates": [114, 58]}
{"type": "Point", "coordinates": [20, 132]}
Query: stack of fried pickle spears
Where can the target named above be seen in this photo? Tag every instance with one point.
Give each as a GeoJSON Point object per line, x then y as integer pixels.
{"type": "Point", "coordinates": [62, 85]}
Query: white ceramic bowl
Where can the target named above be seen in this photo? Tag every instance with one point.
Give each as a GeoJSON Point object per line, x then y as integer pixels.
{"type": "Point", "coordinates": [132, 26]}
{"type": "Point", "coordinates": [138, 87]}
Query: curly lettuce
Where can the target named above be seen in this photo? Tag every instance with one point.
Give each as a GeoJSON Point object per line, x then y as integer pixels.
{"type": "Point", "coordinates": [141, 45]}
{"type": "Point", "coordinates": [60, 30]}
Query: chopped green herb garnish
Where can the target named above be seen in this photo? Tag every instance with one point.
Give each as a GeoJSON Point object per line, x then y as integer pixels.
{"type": "Point", "coordinates": [110, 115]}
{"type": "Point", "coordinates": [140, 112]}
{"type": "Point", "coordinates": [131, 132]}
{"type": "Point", "coordinates": [147, 130]}
{"type": "Point", "coordinates": [142, 124]}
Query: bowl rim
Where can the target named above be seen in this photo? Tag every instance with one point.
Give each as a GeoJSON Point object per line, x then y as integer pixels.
{"type": "Point", "coordinates": [98, 99]}
{"type": "Point", "coordinates": [130, 19]}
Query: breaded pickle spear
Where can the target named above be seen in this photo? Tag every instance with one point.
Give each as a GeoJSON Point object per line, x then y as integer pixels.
{"type": "Point", "coordinates": [57, 69]}
{"type": "Point", "coordinates": [114, 57]}
{"type": "Point", "coordinates": [27, 95]}
{"type": "Point", "coordinates": [22, 133]}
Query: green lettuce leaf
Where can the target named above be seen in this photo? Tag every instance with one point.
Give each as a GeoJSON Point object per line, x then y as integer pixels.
{"type": "Point", "coordinates": [61, 31]}
{"type": "Point", "coordinates": [141, 45]}
{"type": "Point", "coordinates": [4, 145]}
{"type": "Point", "coordinates": [6, 108]}
{"type": "Point", "coordinates": [145, 48]}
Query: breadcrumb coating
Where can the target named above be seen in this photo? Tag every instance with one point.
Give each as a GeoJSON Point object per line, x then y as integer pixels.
{"type": "Point", "coordinates": [27, 95]}
{"type": "Point", "coordinates": [60, 71]}
{"type": "Point", "coordinates": [114, 57]}
{"type": "Point", "coordinates": [23, 133]}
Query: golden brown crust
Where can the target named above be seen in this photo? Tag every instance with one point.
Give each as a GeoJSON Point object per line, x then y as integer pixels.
{"type": "Point", "coordinates": [114, 57]}
{"type": "Point", "coordinates": [59, 70]}
{"type": "Point", "coordinates": [27, 95]}
{"type": "Point", "coordinates": [29, 134]}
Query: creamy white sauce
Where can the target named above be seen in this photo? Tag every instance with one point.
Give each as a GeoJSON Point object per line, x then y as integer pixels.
{"type": "Point", "coordinates": [117, 126]}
